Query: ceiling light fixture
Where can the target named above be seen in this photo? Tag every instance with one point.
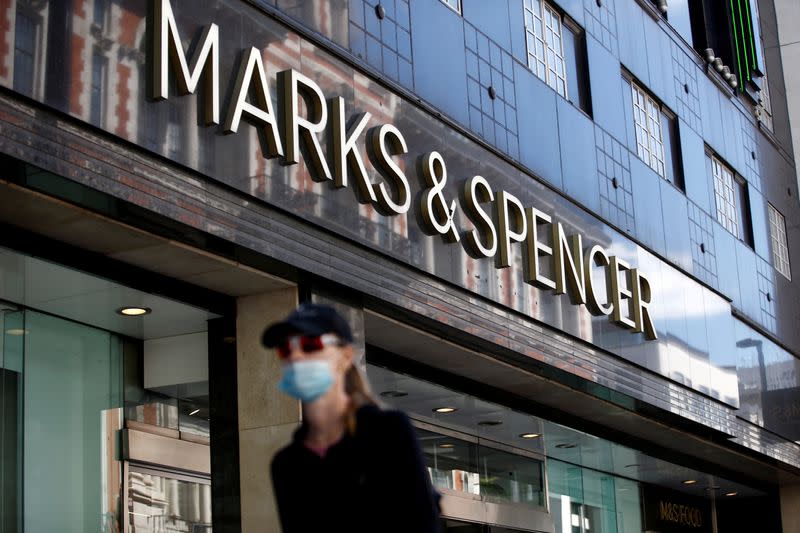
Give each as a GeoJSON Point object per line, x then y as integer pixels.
{"type": "Point", "coordinates": [731, 493]}
{"type": "Point", "coordinates": [529, 435]}
{"type": "Point", "coordinates": [194, 412]}
{"type": "Point", "coordinates": [490, 423]}
{"type": "Point", "coordinates": [134, 311]}
{"type": "Point", "coordinates": [447, 445]}
{"type": "Point", "coordinates": [16, 332]}
{"type": "Point", "coordinates": [689, 481]}
{"type": "Point", "coordinates": [566, 446]}
{"type": "Point", "coordinates": [445, 410]}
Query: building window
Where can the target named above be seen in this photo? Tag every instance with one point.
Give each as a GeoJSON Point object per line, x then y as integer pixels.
{"type": "Point", "coordinates": [730, 197]}
{"type": "Point", "coordinates": [764, 109]}
{"type": "Point", "coordinates": [556, 49]}
{"type": "Point", "coordinates": [656, 135]}
{"type": "Point", "coordinates": [99, 66]}
{"type": "Point", "coordinates": [780, 246]}
{"type": "Point", "coordinates": [544, 31]}
{"type": "Point", "coordinates": [100, 12]}
{"type": "Point", "coordinates": [455, 5]}
{"type": "Point", "coordinates": [25, 38]}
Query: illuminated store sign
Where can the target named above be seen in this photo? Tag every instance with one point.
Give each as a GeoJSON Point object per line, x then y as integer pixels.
{"type": "Point", "coordinates": [668, 511]}
{"type": "Point", "coordinates": [552, 259]}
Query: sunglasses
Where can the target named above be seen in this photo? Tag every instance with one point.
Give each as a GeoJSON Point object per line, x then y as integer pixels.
{"type": "Point", "coordinates": [307, 344]}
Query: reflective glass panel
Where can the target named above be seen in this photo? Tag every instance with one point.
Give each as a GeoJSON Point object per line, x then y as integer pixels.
{"type": "Point", "coordinates": [158, 503]}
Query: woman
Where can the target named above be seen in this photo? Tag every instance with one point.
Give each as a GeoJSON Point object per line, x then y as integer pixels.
{"type": "Point", "coordinates": [351, 466]}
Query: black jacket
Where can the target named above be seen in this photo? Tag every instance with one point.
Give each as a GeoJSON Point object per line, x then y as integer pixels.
{"type": "Point", "coordinates": [374, 480]}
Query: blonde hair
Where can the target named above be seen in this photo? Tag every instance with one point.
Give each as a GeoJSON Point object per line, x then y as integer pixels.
{"type": "Point", "coordinates": [359, 393]}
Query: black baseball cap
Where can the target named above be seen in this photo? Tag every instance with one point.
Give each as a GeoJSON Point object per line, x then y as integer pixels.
{"type": "Point", "coordinates": [308, 319]}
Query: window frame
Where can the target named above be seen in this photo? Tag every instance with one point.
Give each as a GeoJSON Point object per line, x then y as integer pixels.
{"type": "Point", "coordinates": [457, 8]}
{"type": "Point", "coordinates": [669, 166]}
{"type": "Point", "coordinates": [734, 214]}
{"type": "Point", "coordinates": [547, 13]}
{"type": "Point", "coordinates": [777, 245]}
{"type": "Point", "coordinates": [650, 148]}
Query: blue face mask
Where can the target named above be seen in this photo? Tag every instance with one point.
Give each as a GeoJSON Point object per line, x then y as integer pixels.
{"type": "Point", "coordinates": [306, 380]}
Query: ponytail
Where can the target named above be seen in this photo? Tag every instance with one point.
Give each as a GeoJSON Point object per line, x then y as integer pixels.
{"type": "Point", "coordinates": [359, 394]}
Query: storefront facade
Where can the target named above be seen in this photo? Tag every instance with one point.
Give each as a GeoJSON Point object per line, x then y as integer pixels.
{"type": "Point", "coordinates": [584, 246]}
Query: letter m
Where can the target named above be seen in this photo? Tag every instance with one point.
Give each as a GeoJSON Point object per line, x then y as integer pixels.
{"type": "Point", "coordinates": [167, 49]}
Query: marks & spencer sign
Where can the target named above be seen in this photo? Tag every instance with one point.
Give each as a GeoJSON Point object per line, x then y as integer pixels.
{"type": "Point", "coordinates": [304, 116]}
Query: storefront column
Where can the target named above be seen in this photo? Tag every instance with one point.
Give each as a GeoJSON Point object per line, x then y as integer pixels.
{"type": "Point", "coordinates": [267, 417]}
{"type": "Point", "coordinates": [790, 508]}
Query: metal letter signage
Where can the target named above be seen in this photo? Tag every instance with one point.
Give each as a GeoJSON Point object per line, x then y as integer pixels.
{"type": "Point", "coordinates": [551, 259]}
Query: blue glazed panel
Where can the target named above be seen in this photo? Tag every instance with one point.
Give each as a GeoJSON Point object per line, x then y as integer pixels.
{"type": "Point", "coordinates": [492, 18]}
{"type": "Point", "coordinates": [748, 281]}
{"type": "Point", "coordinates": [678, 244]}
{"type": "Point", "coordinates": [437, 35]}
{"type": "Point", "coordinates": [727, 272]}
{"type": "Point", "coordinates": [632, 42]}
{"type": "Point", "coordinates": [647, 205]}
{"type": "Point", "coordinates": [695, 175]}
{"type": "Point", "coordinates": [579, 171]}
{"type": "Point", "coordinates": [606, 86]}
{"type": "Point", "coordinates": [538, 126]}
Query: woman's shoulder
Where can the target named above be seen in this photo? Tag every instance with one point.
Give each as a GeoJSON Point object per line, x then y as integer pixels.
{"type": "Point", "coordinates": [376, 418]}
{"type": "Point", "coordinates": [285, 458]}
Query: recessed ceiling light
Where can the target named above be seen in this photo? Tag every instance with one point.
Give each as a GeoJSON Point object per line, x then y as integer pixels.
{"type": "Point", "coordinates": [490, 423]}
{"type": "Point", "coordinates": [194, 412]}
{"type": "Point", "coordinates": [445, 410]}
{"type": "Point", "coordinates": [566, 446]}
{"type": "Point", "coordinates": [529, 435]}
{"type": "Point", "coordinates": [689, 481]}
{"type": "Point", "coordinates": [17, 331]}
{"type": "Point", "coordinates": [447, 445]}
{"type": "Point", "coordinates": [731, 493]}
{"type": "Point", "coordinates": [394, 393]}
{"type": "Point", "coordinates": [134, 311]}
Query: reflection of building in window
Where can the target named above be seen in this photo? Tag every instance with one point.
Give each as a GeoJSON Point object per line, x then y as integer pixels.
{"type": "Point", "coordinates": [730, 196]}
{"type": "Point", "coordinates": [780, 247]}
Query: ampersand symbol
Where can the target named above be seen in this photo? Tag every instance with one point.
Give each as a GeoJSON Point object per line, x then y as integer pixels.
{"type": "Point", "coordinates": [437, 216]}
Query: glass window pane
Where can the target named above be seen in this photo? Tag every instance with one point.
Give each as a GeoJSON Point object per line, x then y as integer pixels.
{"type": "Point", "coordinates": [68, 385]}
{"type": "Point", "coordinates": [12, 329]}
{"type": "Point", "coordinates": [159, 503]}
{"type": "Point", "coordinates": [780, 247]}
{"type": "Point", "coordinates": [24, 53]}
{"type": "Point", "coordinates": [510, 477]}
{"type": "Point", "coordinates": [452, 463]}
